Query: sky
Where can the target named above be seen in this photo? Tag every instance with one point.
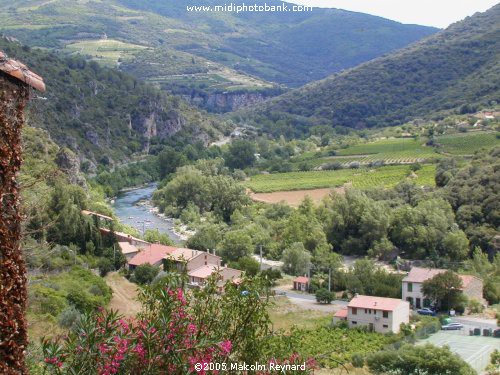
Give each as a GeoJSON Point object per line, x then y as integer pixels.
{"type": "Point", "coordinates": [438, 13]}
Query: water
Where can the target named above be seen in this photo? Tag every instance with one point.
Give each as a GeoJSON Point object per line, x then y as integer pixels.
{"type": "Point", "coordinates": [139, 216]}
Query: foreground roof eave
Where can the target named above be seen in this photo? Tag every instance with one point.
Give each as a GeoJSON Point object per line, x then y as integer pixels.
{"type": "Point", "coordinates": [21, 72]}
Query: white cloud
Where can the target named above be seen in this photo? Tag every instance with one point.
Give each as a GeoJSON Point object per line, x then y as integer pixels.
{"type": "Point", "coordinates": [439, 13]}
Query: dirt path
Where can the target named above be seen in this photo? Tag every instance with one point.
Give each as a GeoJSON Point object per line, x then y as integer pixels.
{"type": "Point", "coordinates": [124, 295]}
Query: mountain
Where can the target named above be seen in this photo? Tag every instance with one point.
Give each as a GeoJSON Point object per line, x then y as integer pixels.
{"type": "Point", "coordinates": [457, 69]}
{"type": "Point", "coordinates": [200, 53]}
{"type": "Point", "coordinates": [105, 116]}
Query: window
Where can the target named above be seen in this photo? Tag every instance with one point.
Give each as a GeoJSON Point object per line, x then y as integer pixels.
{"type": "Point", "coordinates": [385, 314]}
{"type": "Point", "coordinates": [410, 287]}
{"type": "Point", "coordinates": [353, 322]}
{"type": "Point", "coordinates": [354, 311]}
{"type": "Point", "coordinates": [366, 311]}
{"type": "Point", "coordinates": [385, 326]}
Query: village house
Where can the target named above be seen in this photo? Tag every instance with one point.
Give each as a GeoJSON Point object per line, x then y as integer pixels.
{"type": "Point", "coordinates": [379, 314]}
{"type": "Point", "coordinates": [186, 260]}
{"type": "Point", "coordinates": [199, 276]}
{"type": "Point", "coordinates": [301, 283]}
{"type": "Point", "coordinates": [152, 254]}
{"type": "Point", "coordinates": [472, 286]}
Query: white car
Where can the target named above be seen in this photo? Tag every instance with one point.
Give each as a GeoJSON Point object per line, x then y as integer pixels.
{"type": "Point", "coordinates": [452, 326]}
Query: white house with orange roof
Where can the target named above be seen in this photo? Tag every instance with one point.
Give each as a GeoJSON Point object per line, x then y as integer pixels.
{"type": "Point", "coordinates": [152, 254]}
{"type": "Point", "coordinates": [379, 314]}
{"type": "Point", "coordinates": [472, 286]}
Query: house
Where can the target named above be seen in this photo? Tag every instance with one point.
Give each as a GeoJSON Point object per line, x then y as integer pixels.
{"type": "Point", "coordinates": [379, 314]}
{"type": "Point", "coordinates": [340, 315]}
{"type": "Point", "coordinates": [183, 259]}
{"type": "Point", "coordinates": [152, 254]}
{"type": "Point", "coordinates": [124, 237]}
{"type": "Point", "coordinates": [128, 249]}
{"type": "Point", "coordinates": [301, 283]}
{"type": "Point", "coordinates": [472, 286]}
{"type": "Point", "coordinates": [199, 276]}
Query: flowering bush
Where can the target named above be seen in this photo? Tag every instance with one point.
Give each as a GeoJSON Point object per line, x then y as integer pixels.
{"type": "Point", "coordinates": [176, 333]}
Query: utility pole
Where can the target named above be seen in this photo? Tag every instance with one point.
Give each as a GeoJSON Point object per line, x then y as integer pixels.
{"type": "Point", "coordinates": [260, 257]}
{"type": "Point", "coordinates": [329, 279]}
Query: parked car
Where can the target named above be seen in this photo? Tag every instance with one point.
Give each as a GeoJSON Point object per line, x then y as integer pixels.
{"type": "Point", "coordinates": [452, 326]}
{"type": "Point", "coordinates": [426, 311]}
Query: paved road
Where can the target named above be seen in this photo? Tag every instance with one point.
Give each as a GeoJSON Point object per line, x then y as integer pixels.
{"type": "Point", "coordinates": [308, 297]}
{"type": "Point", "coordinates": [476, 322]}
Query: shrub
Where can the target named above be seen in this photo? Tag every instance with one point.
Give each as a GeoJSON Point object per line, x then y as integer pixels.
{"type": "Point", "coordinates": [324, 296]}
{"type": "Point", "coordinates": [174, 332]}
{"type": "Point", "coordinates": [474, 306]}
{"type": "Point", "coordinates": [420, 359]}
{"type": "Point", "coordinates": [145, 273]}
{"type": "Point", "coordinates": [105, 266]}
{"type": "Point", "coordinates": [358, 360]}
{"type": "Point", "coordinates": [69, 317]}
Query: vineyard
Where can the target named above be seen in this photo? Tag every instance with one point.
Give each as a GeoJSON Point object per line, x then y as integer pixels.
{"type": "Point", "coordinates": [467, 144]}
{"type": "Point", "coordinates": [106, 51]}
{"type": "Point", "coordinates": [332, 346]}
{"type": "Point", "coordinates": [363, 178]}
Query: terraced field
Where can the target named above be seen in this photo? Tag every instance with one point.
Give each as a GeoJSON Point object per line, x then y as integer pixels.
{"type": "Point", "coordinates": [363, 178]}
{"type": "Point", "coordinates": [468, 143]}
{"type": "Point", "coordinates": [106, 51]}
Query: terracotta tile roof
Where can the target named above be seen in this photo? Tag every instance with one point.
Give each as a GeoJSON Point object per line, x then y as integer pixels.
{"type": "Point", "coordinates": [127, 248]}
{"type": "Point", "coordinates": [203, 272]}
{"type": "Point", "coordinates": [419, 275]}
{"type": "Point", "coordinates": [120, 236]}
{"type": "Point", "coordinates": [378, 303]}
{"type": "Point", "coordinates": [183, 254]}
{"type": "Point", "coordinates": [21, 72]}
{"type": "Point", "coordinates": [151, 254]}
{"type": "Point", "coordinates": [301, 279]}
{"type": "Point", "coordinates": [342, 313]}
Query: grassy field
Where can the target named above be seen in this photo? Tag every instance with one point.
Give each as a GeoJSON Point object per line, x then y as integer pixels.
{"type": "Point", "coordinates": [363, 178]}
{"type": "Point", "coordinates": [106, 51]}
{"type": "Point", "coordinates": [467, 143]}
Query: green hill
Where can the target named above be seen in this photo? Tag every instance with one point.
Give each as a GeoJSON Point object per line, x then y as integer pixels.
{"type": "Point", "coordinates": [207, 52]}
{"type": "Point", "coordinates": [103, 115]}
{"type": "Point", "coordinates": [456, 70]}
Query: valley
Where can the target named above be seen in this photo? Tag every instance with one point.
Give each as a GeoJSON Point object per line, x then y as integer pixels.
{"type": "Point", "coordinates": [315, 189]}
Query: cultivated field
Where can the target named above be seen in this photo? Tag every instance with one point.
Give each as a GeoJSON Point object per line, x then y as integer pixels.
{"type": "Point", "coordinates": [106, 51]}
{"type": "Point", "coordinates": [467, 143]}
{"type": "Point", "coordinates": [294, 197]}
{"type": "Point", "coordinates": [363, 178]}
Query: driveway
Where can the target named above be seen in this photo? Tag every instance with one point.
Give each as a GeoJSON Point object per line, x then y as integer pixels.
{"type": "Point", "coordinates": [474, 322]}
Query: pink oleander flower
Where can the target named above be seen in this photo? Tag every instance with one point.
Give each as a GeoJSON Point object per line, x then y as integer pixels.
{"type": "Point", "coordinates": [226, 347]}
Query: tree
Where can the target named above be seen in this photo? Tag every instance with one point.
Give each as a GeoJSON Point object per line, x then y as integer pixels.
{"type": "Point", "coordinates": [240, 155]}
{"type": "Point", "coordinates": [247, 264]}
{"type": "Point", "coordinates": [169, 160]}
{"type": "Point", "coordinates": [155, 236]}
{"type": "Point", "coordinates": [419, 231]}
{"type": "Point", "coordinates": [456, 245]}
{"type": "Point", "coordinates": [236, 244]}
{"type": "Point", "coordinates": [145, 273]}
{"type": "Point", "coordinates": [296, 259]}
{"type": "Point", "coordinates": [324, 296]}
{"type": "Point", "coordinates": [418, 359]}
{"type": "Point", "coordinates": [354, 222]}
{"type": "Point", "coordinates": [445, 288]}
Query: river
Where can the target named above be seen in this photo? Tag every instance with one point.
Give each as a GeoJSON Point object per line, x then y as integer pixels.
{"type": "Point", "coordinates": [140, 216]}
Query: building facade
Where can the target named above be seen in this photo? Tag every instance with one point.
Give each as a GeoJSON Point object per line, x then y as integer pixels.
{"type": "Point", "coordinates": [379, 314]}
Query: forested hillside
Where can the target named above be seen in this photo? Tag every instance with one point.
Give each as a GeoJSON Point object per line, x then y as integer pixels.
{"type": "Point", "coordinates": [455, 70]}
{"type": "Point", "coordinates": [104, 115]}
{"type": "Point", "coordinates": [207, 51]}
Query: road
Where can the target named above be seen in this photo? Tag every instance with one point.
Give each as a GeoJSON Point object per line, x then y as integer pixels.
{"type": "Point", "coordinates": [308, 301]}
